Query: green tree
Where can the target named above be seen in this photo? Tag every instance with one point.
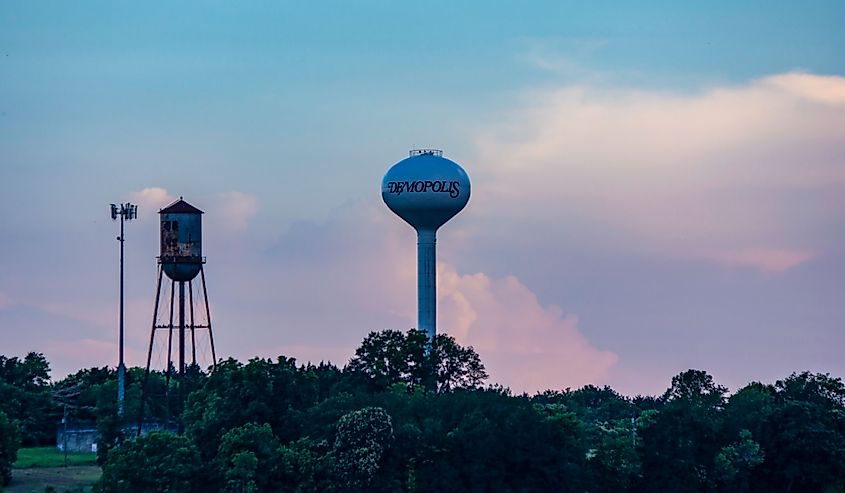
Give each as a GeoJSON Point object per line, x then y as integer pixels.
{"type": "Point", "coordinates": [377, 426]}
{"type": "Point", "coordinates": [240, 473]}
{"type": "Point", "coordinates": [261, 391]}
{"type": "Point", "coordinates": [488, 440]}
{"type": "Point", "coordinates": [156, 462]}
{"type": "Point", "coordinates": [10, 441]}
{"type": "Point", "coordinates": [25, 397]}
{"type": "Point", "coordinates": [242, 446]}
{"type": "Point", "coordinates": [84, 389]}
{"type": "Point", "coordinates": [455, 366]}
{"type": "Point", "coordinates": [362, 439]}
{"type": "Point", "coordinates": [680, 445]}
{"type": "Point", "coordinates": [390, 357]}
{"type": "Point", "coordinates": [735, 462]}
{"type": "Point", "coordinates": [609, 428]}
{"type": "Point", "coordinates": [750, 408]}
{"type": "Point", "coordinates": [614, 463]}
{"type": "Point", "coordinates": [306, 466]}
{"type": "Point", "coordinates": [381, 359]}
{"type": "Point", "coordinates": [592, 404]}
{"type": "Point", "coordinates": [804, 436]}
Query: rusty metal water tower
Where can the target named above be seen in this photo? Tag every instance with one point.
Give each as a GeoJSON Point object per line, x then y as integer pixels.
{"type": "Point", "coordinates": [181, 260]}
{"type": "Point", "coordinates": [426, 190]}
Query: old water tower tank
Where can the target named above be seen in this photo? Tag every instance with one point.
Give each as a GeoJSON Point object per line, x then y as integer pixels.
{"type": "Point", "coordinates": [426, 190]}
{"type": "Point", "coordinates": [181, 241]}
{"type": "Point", "coordinates": [181, 260]}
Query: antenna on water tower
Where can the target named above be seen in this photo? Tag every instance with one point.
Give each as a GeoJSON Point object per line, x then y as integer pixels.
{"type": "Point", "coordinates": [181, 260]}
{"type": "Point", "coordinates": [426, 190]}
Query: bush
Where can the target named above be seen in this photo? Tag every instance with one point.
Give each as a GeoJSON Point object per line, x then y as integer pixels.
{"type": "Point", "coordinates": [10, 441]}
{"type": "Point", "coordinates": [158, 462]}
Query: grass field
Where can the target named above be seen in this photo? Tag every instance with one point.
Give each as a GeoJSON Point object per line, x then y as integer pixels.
{"type": "Point", "coordinates": [40, 468]}
{"type": "Point", "coordinates": [61, 479]}
{"type": "Point", "coordinates": [52, 457]}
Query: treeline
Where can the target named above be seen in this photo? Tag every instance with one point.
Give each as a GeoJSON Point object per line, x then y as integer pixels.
{"type": "Point", "coordinates": [402, 416]}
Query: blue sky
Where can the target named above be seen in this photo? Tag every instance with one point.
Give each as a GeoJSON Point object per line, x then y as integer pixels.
{"type": "Point", "coordinates": [658, 184]}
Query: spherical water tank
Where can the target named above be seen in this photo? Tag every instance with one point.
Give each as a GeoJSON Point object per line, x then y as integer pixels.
{"type": "Point", "coordinates": [181, 241]}
{"type": "Point", "coordinates": [425, 189]}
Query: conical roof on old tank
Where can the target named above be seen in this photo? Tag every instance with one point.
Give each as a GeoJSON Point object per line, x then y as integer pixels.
{"type": "Point", "coordinates": [180, 207]}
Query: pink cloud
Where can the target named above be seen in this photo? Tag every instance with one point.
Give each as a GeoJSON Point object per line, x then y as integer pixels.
{"type": "Point", "coordinates": [235, 210]}
{"type": "Point", "coordinates": [331, 283]}
{"type": "Point", "coordinates": [526, 346]}
{"type": "Point", "coordinates": [823, 89]}
{"type": "Point", "coordinates": [672, 173]}
{"type": "Point", "coordinates": [151, 199]}
{"type": "Point", "coordinates": [769, 260]}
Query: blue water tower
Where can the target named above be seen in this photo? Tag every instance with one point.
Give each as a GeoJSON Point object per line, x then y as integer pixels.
{"type": "Point", "coordinates": [426, 190]}
{"type": "Point", "coordinates": [181, 241]}
{"type": "Point", "coordinates": [180, 259]}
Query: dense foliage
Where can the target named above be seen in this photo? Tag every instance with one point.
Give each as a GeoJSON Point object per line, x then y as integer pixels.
{"type": "Point", "coordinates": [403, 415]}
{"type": "Point", "coordinates": [9, 444]}
{"type": "Point", "coordinates": [25, 398]}
{"type": "Point", "coordinates": [156, 462]}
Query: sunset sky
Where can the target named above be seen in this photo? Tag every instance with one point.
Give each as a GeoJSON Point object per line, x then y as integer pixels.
{"type": "Point", "coordinates": [657, 186]}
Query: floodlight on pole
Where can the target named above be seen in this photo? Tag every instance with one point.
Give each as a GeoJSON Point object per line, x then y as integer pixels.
{"type": "Point", "coordinates": [126, 212]}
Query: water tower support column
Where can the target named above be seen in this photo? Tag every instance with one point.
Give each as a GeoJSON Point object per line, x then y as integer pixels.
{"type": "Point", "coordinates": [193, 338]}
{"type": "Point", "coordinates": [181, 351]}
{"type": "Point", "coordinates": [169, 344]}
{"type": "Point", "coordinates": [208, 319]}
{"type": "Point", "coordinates": [427, 282]}
{"type": "Point", "coordinates": [169, 355]}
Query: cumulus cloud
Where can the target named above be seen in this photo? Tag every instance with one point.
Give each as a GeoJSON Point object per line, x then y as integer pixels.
{"type": "Point", "coordinates": [330, 283]}
{"type": "Point", "coordinates": [749, 168]}
{"type": "Point", "coordinates": [235, 210]}
{"type": "Point", "coordinates": [827, 90]}
{"type": "Point", "coordinates": [527, 346]}
{"type": "Point", "coordinates": [151, 199]}
{"type": "Point", "coordinates": [747, 176]}
{"type": "Point", "coordinates": [229, 212]}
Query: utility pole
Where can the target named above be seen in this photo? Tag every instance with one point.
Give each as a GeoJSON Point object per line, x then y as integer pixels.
{"type": "Point", "coordinates": [67, 397]}
{"type": "Point", "coordinates": [64, 432]}
{"type": "Point", "coordinates": [126, 212]}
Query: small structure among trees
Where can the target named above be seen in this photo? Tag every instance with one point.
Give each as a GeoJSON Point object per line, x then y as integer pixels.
{"type": "Point", "coordinates": [82, 436]}
{"type": "Point", "coordinates": [79, 436]}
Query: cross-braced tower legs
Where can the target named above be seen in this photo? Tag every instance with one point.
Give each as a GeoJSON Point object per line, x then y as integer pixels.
{"type": "Point", "coordinates": [186, 321]}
